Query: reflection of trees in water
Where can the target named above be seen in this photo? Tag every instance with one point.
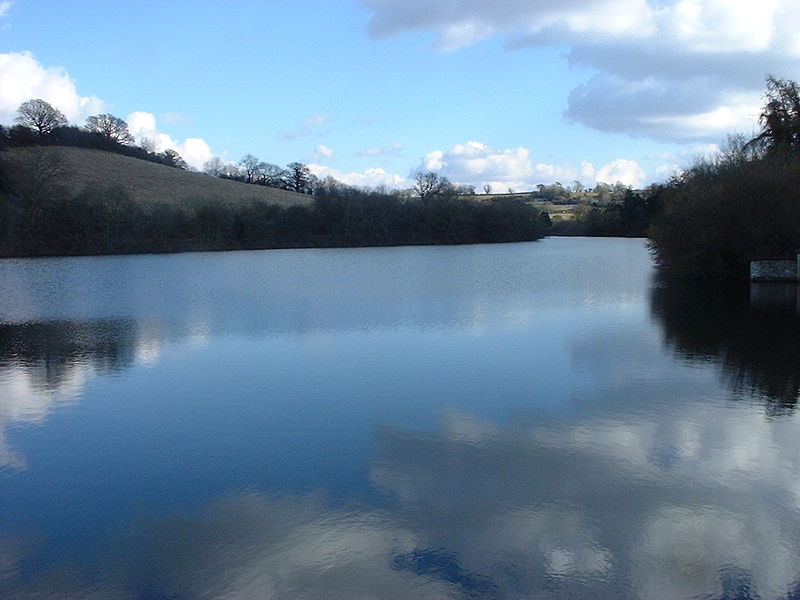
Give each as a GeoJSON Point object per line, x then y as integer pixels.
{"type": "Point", "coordinates": [753, 333]}
{"type": "Point", "coordinates": [45, 364]}
{"type": "Point", "coordinates": [50, 351]}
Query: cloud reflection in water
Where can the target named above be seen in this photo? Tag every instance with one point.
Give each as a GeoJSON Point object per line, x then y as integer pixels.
{"type": "Point", "coordinates": [555, 510]}
{"type": "Point", "coordinates": [661, 493]}
{"type": "Point", "coordinates": [44, 365]}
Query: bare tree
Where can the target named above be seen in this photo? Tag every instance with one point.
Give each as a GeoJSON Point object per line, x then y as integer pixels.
{"type": "Point", "coordinates": [463, 189]}
{"type": "Point", "coordinates": [40, 115]}
{"type": "Point", "coordinates": [274, 176]}
{"type": "Point", "coordinates": [430, 184]}
{"type": "Point", "coordinates": [300, 178]}
{"type": "Point", "coordinates": [171, 158]}
{"type": "Point", "coordinates": [250, 167]}
{"type": "Point", "coordinates": [487, 188]}
{"type": "Point", "coordinates": [110, 126]}
{"type": "Point", "coordinates": [36, 172]}
{"type": "Point", "coordinates": [148, 144]}
{"type": "Point", "coordinates": [215, 167]}
{"type": "Point", "coordinates": [231, 171]}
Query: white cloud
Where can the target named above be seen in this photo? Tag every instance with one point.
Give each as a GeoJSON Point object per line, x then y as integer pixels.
{"type": "Point", "coordinates": [674, 163]}
{"type": "Point", "coordinates": [316, 121]}
{"type": "Point", "coordinates": [464, 22]}
{"type": "Point", "coordinates": [195, 151]}
{"type": "Point", "coordinates": [175, 117]}
{"type": "Point", "coordinates": [626, 171]}
{"type": "Point", "coordinates": [22, 77]}
{"type": "Point", "coordinates": [710, 25]}
{"type": "Point", "coordinates": [433, 161]}
{"type": "Point", "coordinates": [586, 171]}
{"type": "Point", "coordinates": [393, 149]}
{"type": "Point", "coordinates": [463, 33]}
{"type": "Point", "coordinates": [142, 125]}
{"type": "Point", "coordinates": [368, 178]}
{"type": "Point", "coordinates": [322, 152]}
{"type": "Point", "coordinates": [310, 126]}
{"type": "Point", "coordinates": [477, 164]}
{"type": "Point", "coordinates": [735, 117]}
{"type": "Point", "coordinates": [682, 70]}
{"type": "Point", "coordinates": [5, 6]}
{"type": "Point", "coordinates": [667, 170]}
{"type": "Point", "coordinates": [693, 109]}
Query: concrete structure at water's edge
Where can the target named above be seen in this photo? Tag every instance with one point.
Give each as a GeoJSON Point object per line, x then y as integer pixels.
{"type": "Point", "coordinates": [775, 269]}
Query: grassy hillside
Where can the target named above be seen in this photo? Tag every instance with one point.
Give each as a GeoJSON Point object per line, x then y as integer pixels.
{"type": "Point", "coordinates": [57, 201]}
{"type": "Point", "coordinates": [148, 182]}
{"type": "Point", "coordinates": [556, 211]}
{"type": "Point", "coordinates": [567, 206]}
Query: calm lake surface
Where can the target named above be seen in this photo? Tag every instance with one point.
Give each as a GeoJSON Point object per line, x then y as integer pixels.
{"type": "Point", "coordinates": [536, 420]}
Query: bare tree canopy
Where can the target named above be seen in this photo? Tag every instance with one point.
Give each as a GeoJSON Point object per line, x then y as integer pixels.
{"type": "Point", "coordinates": [171, 158]}
{"type": "Point", "coordinates": [40, 116]}
{"type": "Point", "coordinates": [430, 184]}
{"type": "Point", "coordinates": [300, 178]}
{"type": "Point", "coordinates": [110, 126]}
{"type": "Point", "coordinates": [215, 167]}
{"type": "Point", "coordinates": [34, 174]}
{"type": "Point", "coordinates": [274, 176]}
{"type": "Point", "coordinates": [251, 167]}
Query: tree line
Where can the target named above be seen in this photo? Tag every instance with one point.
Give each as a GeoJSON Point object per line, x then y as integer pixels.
{"type": "Point", "coordinates": [711, 220]}
{"type": "Point", "coordinates": [296, 177]}
{"type": "Point", "coordinates": [628, 216]}
{"type": "Point", "coordinates": [40, 124]}
{"type": "Point", "coordinates": [40, 216]}
{"type": "Point", "coordinates": [739, 205]}
{"type": "Point", "coordinates": [708, 221]}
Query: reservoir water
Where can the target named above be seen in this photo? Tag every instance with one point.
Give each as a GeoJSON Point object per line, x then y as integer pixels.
{"type": "Point", "coordinates": [535, 420]}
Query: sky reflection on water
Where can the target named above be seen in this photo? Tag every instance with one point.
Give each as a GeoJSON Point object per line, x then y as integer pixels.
{"type": "Point", "coordinates": [524, 420]}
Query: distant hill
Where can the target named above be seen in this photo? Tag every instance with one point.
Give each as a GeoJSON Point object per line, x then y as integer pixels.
{"type": "Point", "coordinates": [148, 182]}
{"type": "Point", "coordinates": [558, 211]}
{"type": "Point", "coordinates": [65, 200]}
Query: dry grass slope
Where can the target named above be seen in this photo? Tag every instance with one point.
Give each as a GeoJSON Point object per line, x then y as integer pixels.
{"type": "Point", "coordinates": [148, 182]}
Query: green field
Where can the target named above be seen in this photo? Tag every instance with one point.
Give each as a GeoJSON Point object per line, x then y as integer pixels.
{"type": "Point", "coordinates": [557, 212]}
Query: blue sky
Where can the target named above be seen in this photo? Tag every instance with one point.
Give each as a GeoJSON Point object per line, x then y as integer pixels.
{"type": "Point", "coordinates": [510, 92]}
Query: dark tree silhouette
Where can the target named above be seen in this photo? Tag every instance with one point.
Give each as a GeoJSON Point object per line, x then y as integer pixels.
{"type": "Point", "coordinates": [430, 184]}
{"type": "Point", "coordinates": [780, 119]}
{"type": "Point", "coordinates": [740, 205]}
{"type": "Point", "coordinates": [172, 159]}
{"type": "Point", "coordinates": [40, 116]}
{"type": "Point", "coordinates": [250, 168]}
{"type": "Point", "coordinates": [111, 127]}
{"type": "Point", "coordinates": [215, 167]}
{"type": "Point", "coordinates": [300, 178]}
